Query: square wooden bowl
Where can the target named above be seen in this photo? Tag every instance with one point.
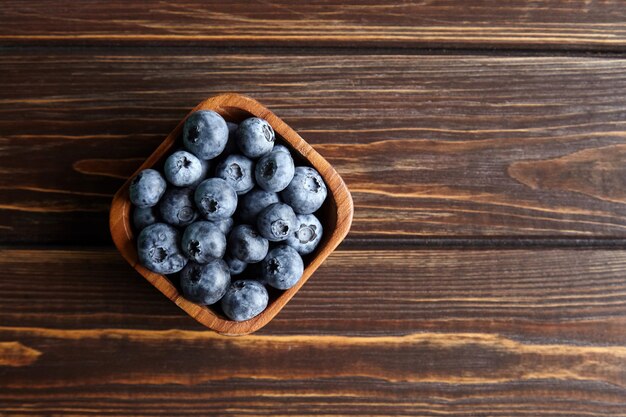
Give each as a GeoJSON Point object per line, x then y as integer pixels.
{"type": "Point", "coordinates": [335, 215]}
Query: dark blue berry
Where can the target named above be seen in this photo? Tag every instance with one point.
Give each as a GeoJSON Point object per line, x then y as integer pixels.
{"type": "Point", "coordinates": [147, 188]}
{"type": "Point", "coordinates": [281, 148]}
{"type": "Point", "coordinates": [276, 222]}
{"type": "Point", "coordinates": [144, 216]}
{"type": "Point", "coordinates": [255, 137]}
{"type": "Point", "coordinates": [307, 235]}
{"type": "Point", "coordinates": [203, 241]}
{"type": "Point", "coordinates": [306, 192]}
{"type": "Point", "coordinates": [225, 225]}
{"type": "Point", "coordinates": [282, 268]}
{"type": "Point", "coordinates": [231, 144]}
{"type": "Point", "coordinates": [177, 207]}
{"type": "Point", "coordinates": [253, 202]}
{"type": "Point", "coordinates": [158, 250]}
{"type": "Point", "coordinates": [205, 134]}
{"type": "Point", "coordinates": [205, 284]}
{"type": "Point", "coordinates": [235, 265]}
{"type": "Point", "coordinates": [274, 171]}
{"type": "Point", "coordinates": [245, 244]}
{"type": "Point", "coordinates": [206, 167]}
{"type": "Point", "coordinates": [237, 171]}
{"type": "Point", "coordinates": [215, 199]}
{"type": "Point", "coordinates": [182, 169]}
{"type": "Point", "coordinates": [244, 300]}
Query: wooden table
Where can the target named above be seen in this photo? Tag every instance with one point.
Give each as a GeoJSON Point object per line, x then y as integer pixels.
{"type": "Point", "coordinates": [485, 146]}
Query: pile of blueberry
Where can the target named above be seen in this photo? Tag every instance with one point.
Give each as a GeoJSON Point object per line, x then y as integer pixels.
{"type": "Point", "coordinates": [231, 200]}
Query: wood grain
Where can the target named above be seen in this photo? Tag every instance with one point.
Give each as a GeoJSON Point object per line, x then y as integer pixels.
{"type": "Point", "coordinates": [502, 332]}
{"type": "Point", "coordinates": [544, 24]}
{"type": "Point", "coordinates": [540, 295]}
{"type": "Point", "coordinates": [471, 125]}
{"type": "Point", "coordinates": [312, 397]}
{"type": "Point", "coordinates": [461, 146]}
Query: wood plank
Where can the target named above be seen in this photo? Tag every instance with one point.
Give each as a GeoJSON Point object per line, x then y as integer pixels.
{"type": "Point", "coordinates": [180, 373]}
{"type": "Point", "coordinates": [430, 146]}
{"type": "Point", "coordinates": [543, 24]}
{"type": "Point", "coordinates": [543, 295]}
{"type": "Point", "coordinates": [514, 332]}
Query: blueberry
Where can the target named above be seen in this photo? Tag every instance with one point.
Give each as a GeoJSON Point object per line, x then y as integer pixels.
{"type": "Point", "coordinates": [231, 144]}
{"type": "Point", "coordinates": [245, 244]}
{"type": "Point", "coordinates": [235, 266]}
{"type": "Point", "coordinates": [253, 202]}
{"type": "Point", "coordinates": [182, 169]}
{"type": "Point", "coordinates": [307, 235]}
{"type": "Point", "coordinates": [255, 137]}
{"type": "Point", "coordinates": [147, 188]}
{"type": "Point", "coordinates": [205, 134]}
{"type": "Point", "coordinates": [206, 167]}
{"type": "Point", "coordinates": [281, 148]}
{"type": "Point", "coordinates": [203, 241]}
{"type": "Point", "coordinates": [244, 300]}
{"type": "Point", "coordinates": [225, 225]}
{"type": "Point", "coordinates": [282, 268]}
{"type": "Point", "coordinates": [306, 192]}
{"type": "Point", "coordinates": [276, 222]}
{"type": "Point", "coordinates": [205, 284]}
{"type": "Point", "coordinates": [177, 208]}
{"type": "Point", "coordinates": [274, 171]}
{"type": "Point", "coordinates": [216, 199]}
{"type": "Point", "coordinates": [157, 249]}
{"type": "Point", "coordinates": [144, 216]}
{"type": "Point", "coordinates": [237, 171]}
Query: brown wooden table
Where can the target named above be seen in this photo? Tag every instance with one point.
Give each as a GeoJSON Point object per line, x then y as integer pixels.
{"type": "Point", "coordinates": [485, 146]}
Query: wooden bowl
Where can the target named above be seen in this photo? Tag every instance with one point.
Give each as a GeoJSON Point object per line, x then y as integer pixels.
{"type": "Point", "coordinates": [335, 215]}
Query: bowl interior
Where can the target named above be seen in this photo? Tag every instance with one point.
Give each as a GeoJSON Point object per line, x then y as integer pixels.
{"type": "Point", "coordinates": [212, 316]}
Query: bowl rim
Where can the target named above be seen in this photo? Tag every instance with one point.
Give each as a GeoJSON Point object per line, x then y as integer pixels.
{"type": "Point", "coordinates": [123, 236]}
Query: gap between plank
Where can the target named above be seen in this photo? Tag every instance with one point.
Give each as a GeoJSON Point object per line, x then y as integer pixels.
{"type": "Point", "coordinates": [424, 243]}
{"type": "Point", "coordinates": [152, 49]}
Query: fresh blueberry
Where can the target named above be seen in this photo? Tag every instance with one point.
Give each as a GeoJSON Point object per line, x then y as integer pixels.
{"type": "Point", "coordinates": [237, 171]}
{"type": "Point", "coordinates": [143, 217]}
{"type": "Point", "coordinates": [253, 202]}
{"type": "Point", "coordinates": [244, 300]}
{"type": "Point", "coordinates": [205, 284]}
{"type": "Point", "coordinates": [182, 169]}
{"type": "Point", "coordinates": [281, 148]}
{"type": "Point", "coordinates": [205, 134]}
{"type": "Point", "coordinates": [177, 208]}
{"type": "Point", "coordinates": [206, 167]}
{"type": "Point", "coordinates": [276, 222]}
{"type": "Point", "coordinates": [282, 267]}
{"type": "Point", "coordinates": [231, 144]}
{"type": "Point", "coordinates": [203, 241]}
{"type": "Point", "coordinates": [216, 199]}
{"type": "Point", "coordinates": [274, 171]}
{"type": "Point", "coordinates": [147, 188]}
{"type": "Point", "coordinates": [157, 249]}
{"type": "Point", "coordinates": [255, 137]}
{"type": "Point", "coordinates": [306, 192]}
{"type": "Point", "coordinates": [235, 265]}
{"type": "Point", "coordinates": [225, 225]}
{"type": "Point", "coordinates": [307, 235]}
{"type": "Point", "coordinates": [245, 244]}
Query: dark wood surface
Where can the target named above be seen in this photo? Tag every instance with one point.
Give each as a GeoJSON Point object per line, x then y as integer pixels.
{"type": "Point", "coordinates": [465, 331]}
{"type": "Point", "coordinates": [431, 146]}
{"type": "Point", "coordinates": [484, 144]}
{"type": "Point", "coordinates": [542, 24]}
